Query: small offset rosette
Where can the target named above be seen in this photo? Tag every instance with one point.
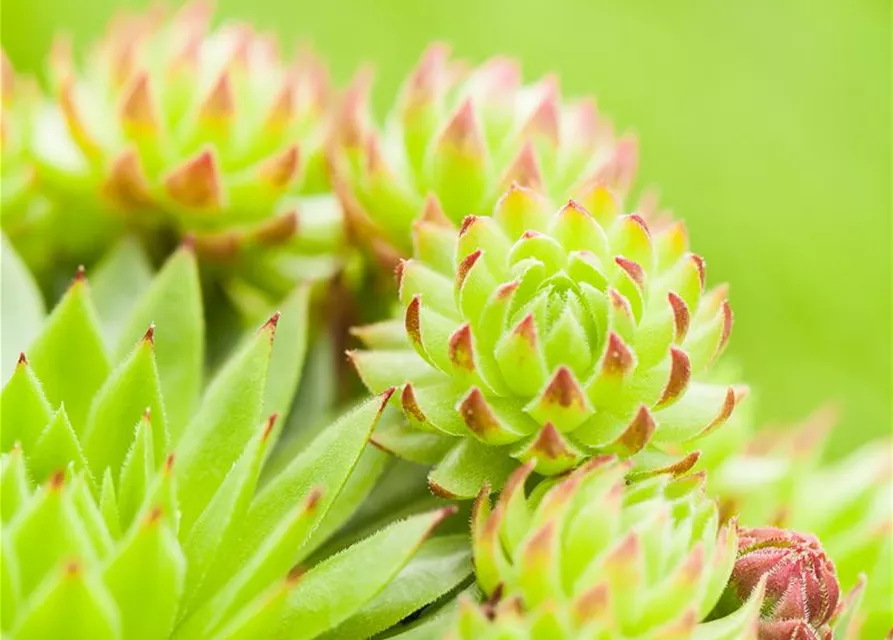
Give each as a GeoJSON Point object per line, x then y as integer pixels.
{"type": "Point", "coordinates": [549, 335]}
{"type": "Point", "coordinates": [591, 556]}
{"type": "Point", "coordinates": [464, 135]}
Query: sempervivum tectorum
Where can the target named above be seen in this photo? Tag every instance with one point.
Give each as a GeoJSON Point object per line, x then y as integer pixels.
{"type": "Point", "coordinates": [592, 557]}
{"type": "Point", "coordinates": [552, 335]}
{"type": "Point", "coordinates": [463, 136]}
{"type": "Point", "coordinates": [170, 125]}
{"type": "Point", "coordinates": [132, 506]}
{"type": "Point", "coordinates": [801, 589]}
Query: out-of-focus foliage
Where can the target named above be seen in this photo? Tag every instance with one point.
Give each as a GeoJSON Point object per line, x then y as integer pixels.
{"type": "Point", "coordinates": [767, 128]}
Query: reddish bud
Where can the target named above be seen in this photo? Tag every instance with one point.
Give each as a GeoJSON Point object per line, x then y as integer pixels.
{"type": "Point", "coordinates": [802, 591]}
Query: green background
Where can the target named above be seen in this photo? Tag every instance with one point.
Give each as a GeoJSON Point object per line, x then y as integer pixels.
{"type": "Point", "coordinates": [766, 124]}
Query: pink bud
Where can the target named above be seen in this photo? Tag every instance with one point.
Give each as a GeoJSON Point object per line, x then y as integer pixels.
{"type": "Point", "coordinates": [801, 583]}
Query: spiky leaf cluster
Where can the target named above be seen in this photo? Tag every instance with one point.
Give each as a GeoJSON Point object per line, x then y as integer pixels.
{"type": "Point", "coordinates": [591, 556]}
{"type": "Point", "coordinates": [549, 335]}
{"type": "Point", "coordinates": [132, 505]}
{"type": "Point", "coordinates": [171, 127]}
{"type": "Point", "coordinates": [463, 136]}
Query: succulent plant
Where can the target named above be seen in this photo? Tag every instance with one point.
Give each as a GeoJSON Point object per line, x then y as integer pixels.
{"type": "Point", "coordinates": [554, 336]}
{"type": "Point", "coordinates": [133, 502]}
{"type": "Point", "coordinates": [769, 477]}
{"type": "Point", "coordinates": [590, 556]}
{"type": "Point", "coordinates": [801, 593]}
{"type": "Point", "coordinates": [170, 128]}
{"type": "Point", "coordinates": [460, 137]}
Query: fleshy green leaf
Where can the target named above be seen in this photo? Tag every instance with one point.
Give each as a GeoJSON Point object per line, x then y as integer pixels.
{"type": "Point", "coordinates": [117, 283]}
{"type": "Point", "coordinates": [325, 464]}
{"type": "Point", "coordinates": [14, 484]}
{"type": "Point", "coordinates": [68, 356]}
{"type": "Point", "coordinates": [75, 605]}
{"type": "Point", "coordinates": [38, 553]}
{"type": "Point", "coordinates": [274, 556]}
{"type": "Point", "coordinates": [466, 468]}
{"type": "Point", "coordinates": [56, 448]}
{"type": "Point", "coordinates": [438, 567]}
{"type": "Point", "coordinates": [174, 304]}
{"type": "Point", "coordinates": [108, 505]}
{"type": "Point", "coordinates": [132, 389]}
{"type": "Point", "coordinates": [137, 472]}
{"type": "Point", "coordinates": [362, 480]}
{"type": "Point", "coordinates": [21, 307]}
{"type": "Point", "coordinates": [331, 592]}
{"type": "Point", "coordinates": [220, 522]}
{"type": "Point", "coordinates": [145, 577]}
{"type": "Point", "coordinates": [223, 424]}
{"type": "Point", "coordinates": [24, 407]}
{"type": "Point", "coordinates": [289, 349]}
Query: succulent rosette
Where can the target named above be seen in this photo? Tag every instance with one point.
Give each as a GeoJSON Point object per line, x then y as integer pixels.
{"type": "Point", "coordinates": [549, 335]}
{"type": "Point", "coordinates": [171, 128]}
{"type": "Point", "coordinates": [133, 505]}
{"type": "Point", "coordinates": [463, 136]}
{"type": "Point", "coordinates": [801, 595]}
{"type": "Point", "coordinates": [590, 556]}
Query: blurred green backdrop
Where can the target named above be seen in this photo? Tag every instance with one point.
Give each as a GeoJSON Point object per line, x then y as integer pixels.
{"type": "Point", "coordinates": [766, 125]}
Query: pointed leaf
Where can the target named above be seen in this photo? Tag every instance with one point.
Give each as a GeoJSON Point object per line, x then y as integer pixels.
{"type": "Point", "coordinates": [75, 605]}
{"type": "Point", "coordinates": [174, 304]}
{"type": "Point", "coordinates": [56, 448]}
{"type": "Point", "coordinates": [438, 567]}
{"type": "Point", "coordinates": [331, 592]}
{"type": "Point", "coordinates": [223, 424]}
{"type": "Point", "coordinates": [24, 407]}
{"type": "Point", "coordinates": [145, 577]}
{"type": "Point", "coordinates": [68, 356]}
{"type": "Point", "coordinates": [131, 390]}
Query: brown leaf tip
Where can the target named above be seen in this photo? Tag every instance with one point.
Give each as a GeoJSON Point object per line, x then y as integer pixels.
{"type": "Point", "coordinates": [632, 269]}
{"type": "Point", "coordinates": [465, 266]}
{"type": "Point", "coordinates": [57, 479]}
{"type": "Point", "coordinates": [154, 516]}
{"type": "Point", "coordinates": [147, 415]}
{"type": "Point", "coordinates": [549, 443]}
{"type": "Point", "coordinates": [439, 491]}
{"type": "Point", "coordinates": [23, 361]}
{"type": "Point", "coordinates": [466, 224]}
{"type": "Point", "coordinates": [268, 426]}
{"type": "Point", "coordinates": [564, 389]}
{"type": "Point", "coordinates": [149, 336]}
{"type": "Point", "coordinates": [294, 575]}
{"type": "Point", "coordinates": [681, 316]}
{"type": "Point", "coordinates": [701, 266]}
{"type": "Point", "coordinates": [169, 463]}
{"type": "Point", "coordinates": [413, 320]}
{"type": "Point", "coordinates": [313, 499]}
{"type": "Point", "coordinates": [73, 568]}
{"type": "Point", "coordinates": [272, 323]}
{"type": "Point", "coordinates": [618, 359]}
{"type": "Point", "coordinates": [81, 274]}
{"type": "Point", "coordinates": [638, 433]}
